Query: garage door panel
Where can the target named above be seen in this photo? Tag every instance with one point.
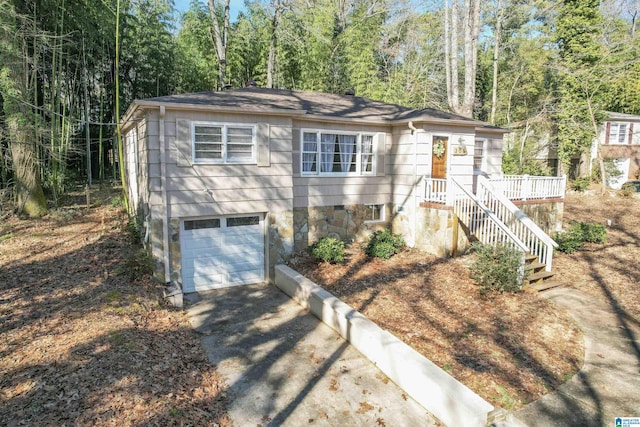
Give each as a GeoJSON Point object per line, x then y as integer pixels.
{"type": "Point", "coordinates": [203, 283]}
{"type": "Point", "coordinates": [199, 246]}
{"type": "Point", "coordinates": [244, 240]}
{"type": "Point", "coordinates": [242, 277]}
{"type": "Point", "coordinates": [222, 264]}
{"type": "Point", "coordinates": [205, 233]}
{"type": "Point", "coordinates": [222, 256]}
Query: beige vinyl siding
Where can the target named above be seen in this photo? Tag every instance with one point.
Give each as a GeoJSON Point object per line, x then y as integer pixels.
{"type": "Point", "coordinates": [144, 189]}
{"type": "Point", "coordinates": [224, 189]}
{"type": "Point", "coordinates": [317, 190]}
{"type": "Point", "coordinates": [138, 192]}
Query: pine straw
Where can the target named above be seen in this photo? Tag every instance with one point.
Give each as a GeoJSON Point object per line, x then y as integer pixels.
{"type": "Point", "coordinates": [609, 272]}
{"type": "Point", "coordinates": [511, 349]}
{"type": "Point", "coordinates": [83, 345]}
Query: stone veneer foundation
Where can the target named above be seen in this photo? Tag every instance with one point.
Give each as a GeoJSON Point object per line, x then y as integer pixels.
{"type": "Point", "coordinates": [290, 231]}
{"type": "Point", "coordinates": [346, 223]}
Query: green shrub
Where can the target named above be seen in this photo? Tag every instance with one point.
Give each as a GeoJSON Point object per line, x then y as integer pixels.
{"type": "Point", "coordinates": [569, 241]}
{"type": "Point", "coordinates": [497, 268]}
{"type": "Point", "coordinates": [580, 184]}
{"type": "Point", "coordinates": [384, 244]}
{"type": "Point", "coordinates": [328, 249]}
{"type": "Point", "coordinates": [573, 239]}
{"type": "Point", "coordinates": [593, 233]}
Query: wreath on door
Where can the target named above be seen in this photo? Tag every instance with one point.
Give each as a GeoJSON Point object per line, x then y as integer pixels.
{"type": "Point", "coordinates": [438, 148]}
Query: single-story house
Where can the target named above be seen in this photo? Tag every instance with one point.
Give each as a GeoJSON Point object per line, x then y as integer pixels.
{"type": "Point", "coordinates": [619, 141]}
{"type": "Point", "coordinates": [228, 184]}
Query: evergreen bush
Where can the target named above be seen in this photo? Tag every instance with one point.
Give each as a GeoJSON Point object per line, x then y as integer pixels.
{"type": "Point", "coordinates": [577, 234]}
{"type": "Point", "coordinates": [328, 249]}
{"type": "Point", "coordinates": [384, 244]}
{"type": "Point", "coordinates": [497, 268]}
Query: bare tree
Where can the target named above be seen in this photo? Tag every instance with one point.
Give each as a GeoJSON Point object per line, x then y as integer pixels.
{"type": "Point", "coordinates": [220, 37]}
{"type": "Point", "coordinates": [471, 26]}
{"type": "Point", "coordinates": [496, 52]}
{"type": "Point", "coordinates": [279, 6]}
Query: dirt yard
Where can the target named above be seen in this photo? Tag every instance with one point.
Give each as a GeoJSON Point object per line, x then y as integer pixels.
{"type": "Point", "coordinates": [509, 348]}
{"type": "Point", "coordinates": [81, 342]}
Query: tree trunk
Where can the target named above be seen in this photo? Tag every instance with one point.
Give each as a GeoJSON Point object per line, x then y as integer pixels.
{"type": "Point", "coordinates": [453, 96]}
{"type": "Point", "coordinates": [447, 54]}
{"type": "Point", "coordinates": [220, 39]}
{"type": "Point", "coordinates": [275, 22]}
{"type": "Point", "coordinates": [31, 200]}
{"type": "Point", "coordinates": [471, 23]}
{"type": "Point", "coordinates": [496, 52]}
{"type": "Point", "coordinates": [471, 32]}
{"type": "Point", "coordinates": [16, 96]}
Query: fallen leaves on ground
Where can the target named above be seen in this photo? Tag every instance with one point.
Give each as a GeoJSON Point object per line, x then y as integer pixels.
{"type": "Point", "coordinates": [511, 349]}
{"type": "Point", "coordinates": [81, 344]}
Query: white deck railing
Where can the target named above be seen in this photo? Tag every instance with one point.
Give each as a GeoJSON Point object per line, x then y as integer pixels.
{"type": "Point", "coordinates": [538, 242]}
{"type": "Point", "coordinates": [525, 187]}
{"type": "Point", "coordinates": [482, 222]}
{"type": "Point", "coordinates": [435, 190]}
{"type": "Point", "coordinates": [490, 212]}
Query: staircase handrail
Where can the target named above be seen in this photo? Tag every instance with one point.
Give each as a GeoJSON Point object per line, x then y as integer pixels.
{"type": "Point", "coordinates": [491, 215]}
{"type": "Point", "coordinates": [522, 218]}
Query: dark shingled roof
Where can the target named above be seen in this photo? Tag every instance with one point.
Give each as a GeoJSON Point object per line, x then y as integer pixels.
{"type": "Point", "coordinates": [328, 105]}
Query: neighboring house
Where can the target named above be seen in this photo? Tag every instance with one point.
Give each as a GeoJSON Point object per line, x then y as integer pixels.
{"type": "Point", "coordinates": [619, 142]}
{"type": "Point", "coordinates": [230, 183]}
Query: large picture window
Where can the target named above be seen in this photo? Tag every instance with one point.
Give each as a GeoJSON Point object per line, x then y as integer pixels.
{"type": "Point", "coordinates": [333, 153]}
{"type": "Point", "coordinates": [213, 143]}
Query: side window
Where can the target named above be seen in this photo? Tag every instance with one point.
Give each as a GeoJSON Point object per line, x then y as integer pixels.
{"type": "Point", "coordinates": [214, 143]}
{"type": "Point", "coordinates": [375, 213]}
{"type": "Point", "coordinates": [478, 155]}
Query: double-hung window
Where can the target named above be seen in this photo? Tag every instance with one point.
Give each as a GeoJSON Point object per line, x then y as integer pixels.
{"type": "Point", "coordinates": [618, 133]}
{"type": "Point", "coordinates": [223, 143]}
{"type": "Point", "coordinates": [337, 153]}
{"type": "Point", "coordinates": [478, 156]}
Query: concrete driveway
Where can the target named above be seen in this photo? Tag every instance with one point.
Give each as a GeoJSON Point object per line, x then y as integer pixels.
{"type": "Point", "coordinates": [284, 367]}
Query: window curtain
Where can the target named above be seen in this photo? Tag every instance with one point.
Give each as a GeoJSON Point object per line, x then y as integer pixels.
{"type": "Point", "coordinates": [309, 152]}
{"type": "Point", "coordinates": [347, 144]}
{"type": "Point", "coordinates": [367, 153]}
{"type": "Point", "coordinates": [327, 148]}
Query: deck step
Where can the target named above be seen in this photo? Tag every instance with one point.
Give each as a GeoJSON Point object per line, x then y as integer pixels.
{"type": "Point", "coordinates": [543, 286]}
{"type": "Point", "coordinates": [529, 257]}
{"type": "Point", "coordinates": [539, 276]}
{"type": "Point", "coordinates": [534, 266]}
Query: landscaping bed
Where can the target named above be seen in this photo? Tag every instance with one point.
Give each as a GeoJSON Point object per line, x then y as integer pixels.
{"type": "Point", "coordinates": [85, 338]}
{"type": "Point", "coordinates": [510, 348]}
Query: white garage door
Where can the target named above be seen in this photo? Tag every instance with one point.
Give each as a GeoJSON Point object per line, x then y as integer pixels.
{"type": "Point", "coordinates": [222, 252]}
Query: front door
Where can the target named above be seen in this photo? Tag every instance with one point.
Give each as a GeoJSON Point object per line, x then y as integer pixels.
{"type": "Point", "coordinates": [439, 157]}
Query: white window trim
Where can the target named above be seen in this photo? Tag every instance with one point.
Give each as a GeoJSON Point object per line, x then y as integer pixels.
{"type": "Point", "coordinates": [616, 140]}
{"type": "Point", "coordinates": [358, 135]}
{"type": "Point", "coordinates": [383, 213]}
{"type": "Point", "coordinates": [224, 160]}
{"type": "Point", "coordinates": [483, 159]}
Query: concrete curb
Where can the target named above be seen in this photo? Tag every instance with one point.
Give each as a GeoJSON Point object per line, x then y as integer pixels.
{"type": "Point", "coordinates": [446, 398]}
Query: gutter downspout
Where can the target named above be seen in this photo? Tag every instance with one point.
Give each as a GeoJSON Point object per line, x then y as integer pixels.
{"type": "Point", "coordinates": [414, 224]}
{"type": "Point", "coordinates": [165, 204]}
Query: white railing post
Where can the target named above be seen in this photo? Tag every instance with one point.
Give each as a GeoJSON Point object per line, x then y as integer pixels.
{"type": "Point", "coordinates": [450, 192]}
{"type": "Point", "coordinates": [525, 189]}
